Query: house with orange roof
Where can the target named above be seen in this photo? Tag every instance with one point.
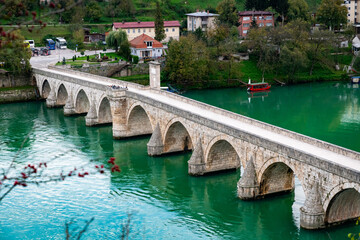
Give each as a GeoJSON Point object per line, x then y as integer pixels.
{"type": "Point", "coordinates": [145, 46]}
{"type": "Point", "coordinates": [134, 29]}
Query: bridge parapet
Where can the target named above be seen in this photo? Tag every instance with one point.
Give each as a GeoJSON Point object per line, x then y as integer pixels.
{"type": "Point", "coordinates": [315, 142]}
{"type": "Point", "coordinates": [100, 78]}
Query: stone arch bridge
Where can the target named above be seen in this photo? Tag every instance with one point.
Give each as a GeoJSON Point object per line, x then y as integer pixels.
{"type": "Point", "coordinates": [219, 140]}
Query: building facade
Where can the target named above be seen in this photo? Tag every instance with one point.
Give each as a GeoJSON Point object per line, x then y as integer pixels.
{"type": "Point", "coordinates": [135, 29]}
{"type": "Point", "coordinates": [145, 46]}
{"type": "Point", "coordinates": [262, 19]}
{"type": "Point", "coordinates": [353, 12]}
{"type": "Point", "coordinates": [203, 20]}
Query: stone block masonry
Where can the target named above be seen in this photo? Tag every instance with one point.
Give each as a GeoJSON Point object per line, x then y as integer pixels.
{"type": "Point", "coordinates": [220, 140]}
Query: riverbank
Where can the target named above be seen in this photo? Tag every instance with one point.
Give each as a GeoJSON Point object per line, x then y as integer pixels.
{"type": "Point", "coordinates": [18, 94]}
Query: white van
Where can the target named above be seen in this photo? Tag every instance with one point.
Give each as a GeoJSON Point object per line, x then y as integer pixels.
{"type": "Point", "coordinates": [61, 43]}
{"type": "Point", "coordinates": [31, 43]}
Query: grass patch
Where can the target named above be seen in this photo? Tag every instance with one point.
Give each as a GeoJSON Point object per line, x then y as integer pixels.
{"type": "Point", "coordinates": [37, 35]}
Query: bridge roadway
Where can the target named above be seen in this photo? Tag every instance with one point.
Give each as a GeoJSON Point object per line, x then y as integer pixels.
{"type": "Point", "coordinates": [329, 174]}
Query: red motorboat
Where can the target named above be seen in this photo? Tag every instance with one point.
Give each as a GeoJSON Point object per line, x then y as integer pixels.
{"type": "Point", "coordinates": [257, 87]}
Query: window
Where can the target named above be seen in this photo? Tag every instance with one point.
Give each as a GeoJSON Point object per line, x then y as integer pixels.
{"type": "Point", "coordinates": [158, 50]}
{"type": "Point", "coordinates": [150, 30]}
{"type": "Point", "coordinates": [261, 18]}
{"type": "Point", "coordinates": [349, 8]}
{"type": "Point", "coordinates": [139, 30]}
{"type": "Point", "coordinates": [268, 17]}
{"type": "Point", "coordinates": [149, 44]}
{"type": "Point", "coordinates": [144, 30]}
{"type": "Point", "coordinates": [245, 32]}
{"type": "Point", "coordinates": [254, 18]}
{"type": "Point", "coordinates": [246, 25]}
{"type": "Point", "coordinates": [268, 24]}
{"type": "Point", "coordinates": [261, 24]}
{"type": "Point", "coordinates": [173, 29]}
{"type": "Point", "coordinates": [167, 30]}
{"type": "Point", "coordinates": [349, 15]}
{"type": "Point", "coordinates": [128, 30]}
{"type": "Point", "coordinates": [134, 30]}
{"type": "Point", "coordinates": [246, 18]}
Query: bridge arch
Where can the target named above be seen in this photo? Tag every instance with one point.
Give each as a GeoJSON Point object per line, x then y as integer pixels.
{"type": "Point", "coordinates": [82, 103]}
{"type": "Point", "coordinates": [104, 111]}
{"type": "Point", "coordinates": [342, 203]}
{"type": "Point", "coordinates": [62, 95]}
{"type": "Point", "coordinates": [177, 137]}
{"type": "Point", "coordinates": [138, 121]}
{"type": "Point", "coordinates": [221, 155]}
{"type": "Point", "coordinates": [45, 89]}
{"type": "Point", "coordinates": [275, 177]}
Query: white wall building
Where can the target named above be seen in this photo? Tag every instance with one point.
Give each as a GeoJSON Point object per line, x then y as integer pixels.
{"type": "Point", "coordinates": [203, 20]}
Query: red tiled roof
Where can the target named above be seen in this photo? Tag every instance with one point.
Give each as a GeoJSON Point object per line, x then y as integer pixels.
{"type": "Point", "coordinates": [144, 24]}
{"type": "Point", "coordinates": [251, 13]}
{"type": "Point", "coordinates": [139, 42]}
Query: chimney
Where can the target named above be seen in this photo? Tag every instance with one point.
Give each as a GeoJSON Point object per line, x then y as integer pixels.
{"type": "Point", "coordinates": [139, 22]}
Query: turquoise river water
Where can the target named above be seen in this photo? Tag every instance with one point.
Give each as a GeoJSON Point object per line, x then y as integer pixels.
{"type": "Point", "coordinates": [163, 200]}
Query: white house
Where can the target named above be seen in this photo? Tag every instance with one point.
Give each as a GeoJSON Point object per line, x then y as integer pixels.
{"type": "Point", "coordinates": [203, 20]}
{"type": "Point", "coordinates": [145, 46]}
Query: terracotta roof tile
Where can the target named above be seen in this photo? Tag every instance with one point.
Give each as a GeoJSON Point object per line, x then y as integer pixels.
{"type": "Point", "coordinates": [256, 13]}
{"type": "Point", "coordinates": [144, 24]}
{"type": "Point", "coordinates": [139, 42]}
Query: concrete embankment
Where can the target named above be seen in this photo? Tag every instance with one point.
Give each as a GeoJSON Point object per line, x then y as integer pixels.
{"type": "Point", "coordinates": [21, 94]}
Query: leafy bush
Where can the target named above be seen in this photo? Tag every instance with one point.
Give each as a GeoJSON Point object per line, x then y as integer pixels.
{"type": "Point", "coordinates": [135, 59]}
{"type": "Point", "coordinates": [82, 53]}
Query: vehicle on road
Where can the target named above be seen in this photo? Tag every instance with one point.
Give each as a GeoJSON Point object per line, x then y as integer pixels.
{"type": "Point", "coordinates": [50, 44]}
{"type": "Point", "coordinates": [44, 51]}
{"type": "Point", "coordinates": [35, 52]}
{"type": "Point", "coordinates": [61, 43]}
{"type": "Point", "coordinates": [30, 42]}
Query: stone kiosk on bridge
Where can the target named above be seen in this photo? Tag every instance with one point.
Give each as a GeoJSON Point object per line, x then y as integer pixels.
{"type": "Point", "coordinates": [219, 140]}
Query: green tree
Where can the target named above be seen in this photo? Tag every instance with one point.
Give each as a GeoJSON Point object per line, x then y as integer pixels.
{"type": "Point", "coordinates": [187, 61]}
{"type": "Point", "coordinates": [93, 11]}
{"type": "Point", "coordinates": [298, 9]}
{"type": "Point", "coordinates": [199, 34]}
{"type": "Point", "coordinates": [159, 24]}
{"type": "Point", "coordinates": [116, 39]}
{"type": "Point", "coordinates": [15, 55]}
{"type": "Point", "coordinates": [319, 46]}
{"type": "Point", "coordinates": [292, 58]}
{"type": "Point", "coordinates": [260, 42]}
{"type": "Point", "coordinates": [281, 7]}
{"type": "Point", "coordinates": [228, 14]}
{"type": "Point", "coordinates": [78, 37]}
{"type": "Point", "coordinates": [257, 4]}
{"type": "Point", "coordinates": [332, 13]}
{"type": "Point", "coordinates": [120, 8]}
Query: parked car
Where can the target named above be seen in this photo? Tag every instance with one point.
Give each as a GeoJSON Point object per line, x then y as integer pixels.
{"type": "Point", "coordinates": [35, 52]}
{"type": "Point", "coordinates": [44, 51]}
{"type": "Point", "coordinates": [30, 42]}
{"type": "Point", "coordinates": [148, 59]}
